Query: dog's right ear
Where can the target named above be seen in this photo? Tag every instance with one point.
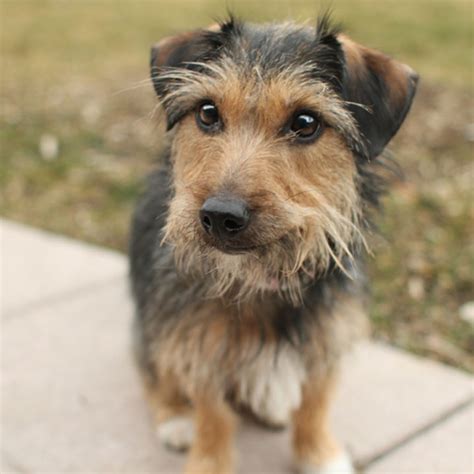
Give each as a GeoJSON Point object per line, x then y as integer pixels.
{"type": "Point", "coordinates": [177, 51]}
{"type": "Point", "coordinates": [379, 91]}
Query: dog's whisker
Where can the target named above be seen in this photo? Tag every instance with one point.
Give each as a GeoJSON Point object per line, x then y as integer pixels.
{"type": "Point", "coordinates": [138, 85]}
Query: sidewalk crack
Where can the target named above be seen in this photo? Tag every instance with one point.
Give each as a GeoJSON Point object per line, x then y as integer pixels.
{"type": "Point", "coordinates": [401, 443]}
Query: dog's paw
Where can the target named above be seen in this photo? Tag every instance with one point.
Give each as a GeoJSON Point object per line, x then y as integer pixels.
{"type": "Point", "coordinates": [340, 465]}
{"type": "Point", "coordinates": [176, 433]}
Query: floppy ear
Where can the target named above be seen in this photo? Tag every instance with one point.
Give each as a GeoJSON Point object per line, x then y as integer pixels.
{"type": "Point", "coordinates": [176, 51]}
{"type": "Point", "coordinates": [379, 92]}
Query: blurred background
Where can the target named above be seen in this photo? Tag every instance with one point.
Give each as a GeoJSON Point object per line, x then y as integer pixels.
{"type": "Point", "coordinates": [78, 135]}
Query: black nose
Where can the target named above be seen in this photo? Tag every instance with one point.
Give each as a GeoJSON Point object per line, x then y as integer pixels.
{"type": "Point", "coordinates": [224, 218]}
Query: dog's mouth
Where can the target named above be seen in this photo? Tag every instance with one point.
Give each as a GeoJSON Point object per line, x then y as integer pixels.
{"type": "Point", "coordinates": [231, 248]}
{"type": "Point", "coordinates": [234, 247]}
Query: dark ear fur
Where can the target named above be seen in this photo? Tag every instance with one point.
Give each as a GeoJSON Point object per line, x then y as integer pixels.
{"type": "Point", "coordinates": [175, 51]}
{"type": "Point", "coordinates": [383, 87]}
{"type": "Point", "coordinates": [198, 45]}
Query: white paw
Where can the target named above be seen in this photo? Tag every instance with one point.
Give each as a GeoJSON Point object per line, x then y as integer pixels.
{"type": "Point", "coordinates": [340, 465]}
{"type": "Point", "coordinates": [176, 433]}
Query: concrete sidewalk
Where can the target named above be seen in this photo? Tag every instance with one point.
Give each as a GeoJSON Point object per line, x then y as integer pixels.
{"type": "Point", "coordinates": [72, 402]}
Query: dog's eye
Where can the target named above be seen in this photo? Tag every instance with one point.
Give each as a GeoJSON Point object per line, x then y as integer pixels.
{"type": "Point", "coordinates": [207, 117]}
{"type": "Point", "coordinates": [306, 127]}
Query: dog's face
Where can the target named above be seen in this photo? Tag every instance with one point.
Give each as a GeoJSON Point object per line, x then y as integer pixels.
{"type": "Point", "coordinates": [268, 125]}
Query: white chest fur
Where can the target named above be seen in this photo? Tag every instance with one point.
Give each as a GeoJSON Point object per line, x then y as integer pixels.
{"type": "Point", "coordinates": [271, 385]}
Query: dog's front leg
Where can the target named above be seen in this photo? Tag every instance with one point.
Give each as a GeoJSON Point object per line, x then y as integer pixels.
{"type": "Point", "coordinates": [212, 451]}
{"type": "Point", "coordinates": [315, 448]}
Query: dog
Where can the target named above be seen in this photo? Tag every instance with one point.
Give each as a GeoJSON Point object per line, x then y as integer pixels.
{"type": "Point", "coordinates": [247, 249]}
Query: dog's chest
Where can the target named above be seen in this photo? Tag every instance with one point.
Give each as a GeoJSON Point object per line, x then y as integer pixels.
{"type": "Point", "coordinates": [270, 386]}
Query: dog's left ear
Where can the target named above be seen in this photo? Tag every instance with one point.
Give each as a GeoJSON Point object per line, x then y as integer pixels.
{"type": "Point", "coordinates": [379, 92]}
{"type": "Point", "coordinates": [176, 51]}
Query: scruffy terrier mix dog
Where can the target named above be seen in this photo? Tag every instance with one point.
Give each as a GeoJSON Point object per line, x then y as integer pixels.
{"type": "Point", "coordinates": [246, 250]}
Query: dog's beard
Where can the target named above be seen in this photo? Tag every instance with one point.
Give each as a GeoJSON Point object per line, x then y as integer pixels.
{"type": "Point", "coordinates": [325, 238]}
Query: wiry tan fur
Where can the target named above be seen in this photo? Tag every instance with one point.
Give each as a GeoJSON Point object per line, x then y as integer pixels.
{"type": "Point", "coordinates": [313, 442]}
{"type": "Point", "coordinates": [219, 347]}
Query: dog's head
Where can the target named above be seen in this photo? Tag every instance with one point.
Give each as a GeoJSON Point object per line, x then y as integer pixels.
{"type": "Point", "coordinates": [273, 130]}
